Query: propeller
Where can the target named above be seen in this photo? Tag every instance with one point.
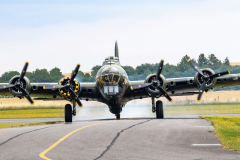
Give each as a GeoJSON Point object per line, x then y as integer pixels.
{"type": "Point", "coordinates": [155, 83]}
{"type": "Point", "coordinates": [18, 84]}
{"type": "Point", "coordinates": [75, 97]}
{"type": "Point", "coordinates": [68, 86]}
{"type": "Point", "coordinates": [206, 77]}
{"type": "Point", "coordinates": [74, 74]}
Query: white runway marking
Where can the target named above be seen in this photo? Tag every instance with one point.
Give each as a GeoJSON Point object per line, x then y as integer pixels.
{"type": "Point", "coordinates": [206, 145]}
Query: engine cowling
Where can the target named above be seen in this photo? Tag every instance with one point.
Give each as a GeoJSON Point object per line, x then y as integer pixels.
{"type": "Point", "coordinates": [24, 84]}
{"type": "Point", "coordinates": [75, 86]}
{"type": "Point", "coordinates": [199, 78]}
{"type": "Point", "coordinates": [151, 90]}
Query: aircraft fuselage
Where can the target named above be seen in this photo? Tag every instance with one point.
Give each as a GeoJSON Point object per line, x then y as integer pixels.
{"type": "Point", "coordinates": [112, 82]}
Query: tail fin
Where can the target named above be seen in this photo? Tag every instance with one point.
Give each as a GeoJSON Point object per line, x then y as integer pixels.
{"type": "Point", "coordinates": [116, 50]}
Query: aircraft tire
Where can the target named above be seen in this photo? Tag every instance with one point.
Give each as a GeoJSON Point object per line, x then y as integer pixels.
{"type": "Point", "coordinates": [159, 110]}
{"type": "Point", "coordinates": [68, 113]}
{"type": "Point", "coordinates": [118, 116]}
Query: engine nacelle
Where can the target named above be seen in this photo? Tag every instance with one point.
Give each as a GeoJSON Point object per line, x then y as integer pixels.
{"type": "Point", "coordinates": [151, 90]}
{"type": "Point", "coordinates": [24, 84]}
{"type": "Point", "coordinates": [199, 78]}
{"type": "Point", "coordinates": [75, 86]}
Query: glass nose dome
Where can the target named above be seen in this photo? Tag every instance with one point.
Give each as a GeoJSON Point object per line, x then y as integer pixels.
{"type": "Point", "coordinates": [110, 76]}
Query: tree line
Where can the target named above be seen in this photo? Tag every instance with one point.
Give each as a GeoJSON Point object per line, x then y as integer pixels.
{"type": "Point", "coordinates": [39, 75]}
{"type": "Point", "coordinates": [182, 69]}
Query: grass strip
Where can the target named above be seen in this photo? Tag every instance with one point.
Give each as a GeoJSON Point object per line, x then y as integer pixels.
{"type": "Point", "coordinates": [207, 104]}
{"type": "Point", "coordinates": [26, 108]}
{"type": "Point", "coordinates": [32, 113]}
{"type": "Point", "coordinates": [203, 109]}
{"type": "Point", "coordinates": [227, 129]}
{"type": "Point", "coordinates": [173, 110]}
{"type": "Point", "coordinates": [11, 125]}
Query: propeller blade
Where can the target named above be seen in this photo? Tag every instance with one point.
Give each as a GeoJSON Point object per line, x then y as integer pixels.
{"type": "Point", "coordinates": [194, 66]}
{"type": "Point", "coordinates": [219, 74]}
{"type": "Point", "coordinates": [6, 86]}
{"type": "Point", "coordinates": [75, 72]}
{"type": "Point", "coordinates": [76, 97]}
{"type": "Point", "coordinates": [140, 86]}
{"type": "Point", "coordinates": [160, 67]}
{"type": "Point", "coordinates": [26, 94]}
{"type": "Point", "coordinates": [54, 86]}
{"type": "Point", "coordinates": [165, 93]}
{"type": "Point", "coordinates": [23, 71]}
{"type": "Point", "coordinates": [202, 89]}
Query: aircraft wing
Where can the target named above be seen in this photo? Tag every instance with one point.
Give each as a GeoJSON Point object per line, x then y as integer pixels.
{"type": "Point", "coordinates": [87, 92]}
{"type": "Point", "coordinates": [181, 86]}
{"type": "Point", "coordinates": [176, 87]}
{"type": "Point", "coordinates": [68, 88]}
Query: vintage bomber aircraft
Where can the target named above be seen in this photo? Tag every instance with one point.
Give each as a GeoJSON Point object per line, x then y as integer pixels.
{"type": "Point", "coordinates": [113, 87]}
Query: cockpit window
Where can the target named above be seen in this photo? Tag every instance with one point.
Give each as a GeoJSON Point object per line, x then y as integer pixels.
{"type": "Point", "coordinates": [110, 79]}
{"type": "Point", "coordinates": [110, 75]}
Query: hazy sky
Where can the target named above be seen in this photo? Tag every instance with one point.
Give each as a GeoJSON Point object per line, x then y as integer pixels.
{"type": "Point", "coordinates": [62, 34]}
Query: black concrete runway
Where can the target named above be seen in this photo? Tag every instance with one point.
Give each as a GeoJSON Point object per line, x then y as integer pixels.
{"type": "Point", "coordinates": [147, 138]}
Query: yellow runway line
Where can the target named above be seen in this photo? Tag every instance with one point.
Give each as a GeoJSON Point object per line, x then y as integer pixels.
{"type": "Point", "coordinates": [42, 155]}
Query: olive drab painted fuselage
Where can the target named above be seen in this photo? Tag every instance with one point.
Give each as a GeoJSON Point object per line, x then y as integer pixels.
{"type": "Point", "coordinates": [112, 82]}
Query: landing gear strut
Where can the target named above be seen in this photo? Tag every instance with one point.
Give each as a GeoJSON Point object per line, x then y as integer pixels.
{"type": "Point", "coordinates": [68, 113]}
{"type": "Point", "coordinates": [118, 116]}
{"type": "Point", "coordinates": [74, 108]}
{"type": "Point", "coordinates": [153, 105]}
{"type": "Point", "coordinates": [159, 110]}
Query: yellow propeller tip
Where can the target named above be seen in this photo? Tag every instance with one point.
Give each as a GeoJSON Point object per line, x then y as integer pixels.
{"type": "Point", "coordinates": [27, 62]}
{"type": "Point", "coordinates": [131, 88]}
{"type": "Point", "coordinates": [198, 100]}
{"type": "Point", "coordinates": [188, 60]}
{"type": "Point", "coordinates": [33, 103]}
{"type": "Point", "coordinates": [163, 60]}
{"type": "Point", "coordinates": [228, 72]}
{"type": "Point", "coordinates": [81, 106]}
{"type": "Point", "coordinates": [171, 101]}
{"type": "Point", "coordinates": [43, 87]}
{"type": "Point", "coordinates": [79, 64]}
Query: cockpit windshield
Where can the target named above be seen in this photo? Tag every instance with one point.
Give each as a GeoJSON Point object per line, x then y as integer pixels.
{"type": "Point", "coordinates": [110, 76]}
{"type": "Point", "coordinates": [110, 79]}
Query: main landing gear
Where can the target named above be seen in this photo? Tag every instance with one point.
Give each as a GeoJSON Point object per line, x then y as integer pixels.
{"type": "Point", "coordinates": [68, 113]}
{"type": "Point", "coordinates": [158, 108]}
